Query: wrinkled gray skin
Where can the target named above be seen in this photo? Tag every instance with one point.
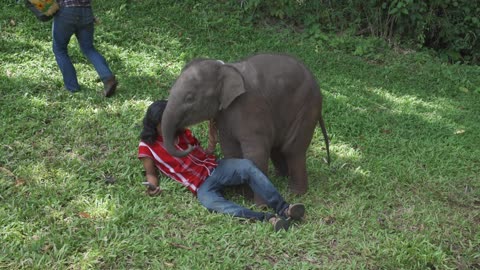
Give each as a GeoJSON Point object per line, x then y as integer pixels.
{"type": "Point", "coordinates": [265, 106]}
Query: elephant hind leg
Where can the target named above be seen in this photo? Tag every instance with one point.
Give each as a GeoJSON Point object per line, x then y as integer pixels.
{"type": "Point", "coordinates": [295, 149]}
{"type": "Point", "coordinates": [279, 162]}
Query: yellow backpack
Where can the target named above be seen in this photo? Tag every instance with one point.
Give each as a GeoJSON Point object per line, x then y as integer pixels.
{"type": "Point", "coordinates": [43, 9]}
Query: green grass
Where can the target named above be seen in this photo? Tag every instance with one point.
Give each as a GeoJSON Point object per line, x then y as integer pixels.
{"type": "Point", "coordinates": [403, 190]}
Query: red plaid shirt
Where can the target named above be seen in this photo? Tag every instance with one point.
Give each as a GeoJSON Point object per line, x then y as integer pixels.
{"type": "Point", "coordinates": [191, 170]}
{"type": "Point", "coordinates": [74, 3]}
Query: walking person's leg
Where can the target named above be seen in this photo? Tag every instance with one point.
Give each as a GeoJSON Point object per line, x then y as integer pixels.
{"type": "Point", "coordinates": [85, 40]}
{"type": "Point", "coordinates": [85, 36]}
{"type": "Point", "coordinates": [62, 31]}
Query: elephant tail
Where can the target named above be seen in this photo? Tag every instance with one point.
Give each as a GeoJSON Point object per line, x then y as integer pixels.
{"type": "Point", "coordinates": [325, 136]}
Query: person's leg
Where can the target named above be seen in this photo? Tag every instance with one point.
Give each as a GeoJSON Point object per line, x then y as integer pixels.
{"type": "Point", "coordinates": [85, 35]}
{"type": "Point", "coordinates": [62, 31]}
{"type": "Point", "coordinates": [210, 196]}
{"type": "Point", "coordinates": [261, 185]}
{"type": "Point", "coordinates": [258, 182]}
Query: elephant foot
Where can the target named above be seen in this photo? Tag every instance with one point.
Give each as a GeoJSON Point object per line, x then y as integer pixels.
{"type": "Point", "coordinates": [298, 190]}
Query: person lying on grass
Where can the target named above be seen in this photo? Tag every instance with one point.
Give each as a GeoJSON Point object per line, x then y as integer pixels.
{"type": "Point", "coordinates": [205, 177]}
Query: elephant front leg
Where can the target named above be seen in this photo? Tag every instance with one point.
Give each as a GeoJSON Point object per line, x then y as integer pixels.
{"type": "Point", "coordinates": [232, 149]}
{"type": "Point", "coordinates": [259, 156]}
{"type": "Point", "coordinates": [298, 181]}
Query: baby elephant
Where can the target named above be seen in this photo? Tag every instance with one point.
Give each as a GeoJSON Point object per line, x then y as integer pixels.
{"type": "Point", "coordinates": [265, 106]}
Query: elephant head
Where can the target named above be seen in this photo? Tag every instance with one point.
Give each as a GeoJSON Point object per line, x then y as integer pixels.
{"type": "Point", "coordinates": [203, 88]}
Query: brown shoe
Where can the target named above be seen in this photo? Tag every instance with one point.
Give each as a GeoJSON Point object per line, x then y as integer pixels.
{"type": "Point", "coordinates": [279, 223]}
{"type": "Point", "coordinates": [110, 85]}
{"type": "Point", "coordinates": [295, 211]}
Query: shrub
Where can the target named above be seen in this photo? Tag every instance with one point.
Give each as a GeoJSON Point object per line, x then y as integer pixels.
{"type": "Point", "coordinates": [451, 27]}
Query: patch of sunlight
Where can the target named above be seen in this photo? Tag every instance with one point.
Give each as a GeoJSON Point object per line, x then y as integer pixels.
{"type": "Point", "coordinates": [408, 101]}
{"type": "Point", "coordinates": [316, 153]}
{"type": "Point", "coordinates": [147, 63]}
{"type": "Point", "coordinates": [66, 175]}
{"type": "Point", "coordinates": [318, 148]}
{"type": "Point", "coordinates": [339, 96]}
{"type": "Point", "coordinates": [346, 102]}
{"type": "Point", "coordinates": [342, 156]}
{"type": "Point", "coordinates": [41, 175]}
{"type": "Point", "coordinates": [127, 106]}
{"type": "Point", "coordinates": [345, 151]}
{"type": "Point", "coordinates": [38, 172]}
{"type": "Point", "coordinates": [87, 260]}
{"type": "Point", "coordinates": [95, 207]}
{"type": "Point", "coordinates": [129, 109]}
{"type": "Point", "coordinates": [90, 259]}
{"type": "Point", "coordinates": [55, 212]}
{"type": "Point", "coordinates": [142, 104]}
{"type": "Point", "coordinates": [87, 111]}
{"type": "Point", "coordinates": [39, 101]}
{"type": "Point", "coordinates": [13, 231]}
{"type": "Point", "coordinates": [428, 110]}
{"type": "Point", "coordinates": [361, 171]}
{"type": "Point", "coordinates": [36, 68]}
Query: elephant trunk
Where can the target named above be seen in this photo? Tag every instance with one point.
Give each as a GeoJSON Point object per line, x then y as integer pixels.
{"type": "Point", "coordinates": [169, 133]}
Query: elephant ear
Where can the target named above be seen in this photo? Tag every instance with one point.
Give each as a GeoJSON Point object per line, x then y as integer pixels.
{"type": "Point", "coordinates": [232, 85]}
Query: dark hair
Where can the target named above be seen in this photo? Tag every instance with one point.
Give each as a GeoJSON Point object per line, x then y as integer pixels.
{"type": "Point", "coordinates": [152, 118]}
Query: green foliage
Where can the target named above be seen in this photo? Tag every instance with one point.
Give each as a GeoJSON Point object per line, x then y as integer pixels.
{"type": "Point", "coordinates": [451, 27]}
{"type": "Point", "coordinates": [281, 9]}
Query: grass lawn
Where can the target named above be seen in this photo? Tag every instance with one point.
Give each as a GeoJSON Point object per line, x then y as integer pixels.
{"type": "Point", "coordinates": [402, 192]}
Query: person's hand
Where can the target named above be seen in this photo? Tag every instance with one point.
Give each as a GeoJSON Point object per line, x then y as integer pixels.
{"type": "Point", "coordinates": [152, 190]}
{"type": "Point", "coordinates": [157, 191]}
{"type": "Point", "coordinates": [210, 150]}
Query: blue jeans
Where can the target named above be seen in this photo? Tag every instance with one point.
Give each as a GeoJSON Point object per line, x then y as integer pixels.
{"type": "Point", "coordinates": [78, 21]}
{"type": "Point", "coordinates": [231, 172]}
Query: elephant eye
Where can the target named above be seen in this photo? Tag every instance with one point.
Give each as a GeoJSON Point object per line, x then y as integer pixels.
{"type": "Point", "coordinates": [189, 98]}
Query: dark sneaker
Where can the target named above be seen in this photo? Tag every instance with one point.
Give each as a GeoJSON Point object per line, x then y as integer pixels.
{"type": "Point", "coordinates": [110, 85]}
{"type": "Point", "coordinates": [279, 223]}
{"type": "Point", "coordinates": [295, 211]}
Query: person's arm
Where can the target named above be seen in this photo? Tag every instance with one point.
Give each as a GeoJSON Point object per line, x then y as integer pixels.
{"type": "Point", "coordinates": [152, 176]}
{"type": "Point", "coordinates": [212, 137]}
